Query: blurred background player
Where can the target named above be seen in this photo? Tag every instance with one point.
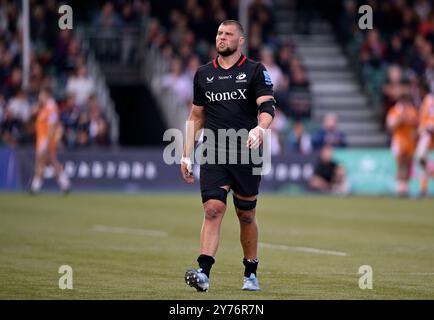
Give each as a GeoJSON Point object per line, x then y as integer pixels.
{"type": "Point", "coordinates": [402, 122]}
{"type": "Point", "coordinates": [426, 142]}
{"type": "Point", "coordinates": [48, 134]}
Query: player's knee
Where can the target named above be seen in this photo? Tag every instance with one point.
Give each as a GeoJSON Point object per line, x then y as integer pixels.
{"type": "Point", "coordinates": [215, 194]}
{"type": "Point", "coordinates": [214, 210]}
{"type": "Point", "coordinates": [246, 217]}
{"type": "Point", "coordinates": [244, 205]}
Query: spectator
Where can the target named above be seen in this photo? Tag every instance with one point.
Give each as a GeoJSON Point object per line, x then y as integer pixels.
{"type": "Point", "coordinates": [11, 129]}
{"type": "Point", "coordinates": [193, 64]}
{"type": "Point", "coordinates": [2, 107]}
{"type": "Point", "coordinates": [108, 19]}
{"type": "Point", "coordinates": [283, 96]}
{"type": "Point", "coordinates": [37, 79]}
{"type": "Point", "coordinates": [69, 116]}
{"type": "Point", "coordinates": [299, 140]}
{"type": "Point", "coordinates": [178, 81]}
{"type": "Point", "coordinates": [98, 126]}
{"type": "Point", "coordinates": [395, 50]}
{"type": "Point", "coordinates": [285, 54]}
{"type": "Point", "coordinates": [255, 45]}
{"type": "Point", "coordinates": [74, 57]}
{"type": "Point", "coordinates": [276, 75]}
{"type": "Point", "coordinates": [81, 86]}
{"type": "Point", "coordinates": [347, 18]}
{"type": "Point", "coordinates": [278, 129]}
{"type": "Point", "coordinates": [197, 22]}
{"type": "Point", "coordinates": [259, 12]}
{"type": "Point", "coordinates": [299, 104]}
{"type": "Point", "coordinates": [372, 50]}
{"type": "Point", "coordinates": [422, 8]}
{"type": "Point", "coordinates": [179, 27]}
{"type": "Point", "coordinates": [329, 176]}
{"type": "Point", "coordinates": [13, 83]}
{"type": "Point", "coordinates": [19, 106]}
{"type": "Point", "coordinates": [83, 139]}
{"type": "Point", "coordinates": [61, 50]}
{"type": "Point", "coordinates": [130, 19]}
{"type": "Point", "coordinates": [329, 134]}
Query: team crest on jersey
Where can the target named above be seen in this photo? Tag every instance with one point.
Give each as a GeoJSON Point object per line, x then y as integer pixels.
{"type": "Point", "coordinates": [209, 80]}
{"type": "Point", "coordinates": [267, 78]}
{"type": "Point", "coordinates": [241, 77]}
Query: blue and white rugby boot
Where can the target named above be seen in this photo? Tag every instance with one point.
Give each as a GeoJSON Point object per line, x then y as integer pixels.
{"type": "Point", "coordinates": [251, 283]}
{"type": "Point", "coordinates": [195, 278]}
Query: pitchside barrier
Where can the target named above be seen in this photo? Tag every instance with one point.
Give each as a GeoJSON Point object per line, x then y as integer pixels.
{"type": "Point", "coordinates": [369, 171]}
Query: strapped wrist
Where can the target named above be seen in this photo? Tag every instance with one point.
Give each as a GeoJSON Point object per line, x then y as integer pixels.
{"type": "Point", "coordinates": [186, 160]}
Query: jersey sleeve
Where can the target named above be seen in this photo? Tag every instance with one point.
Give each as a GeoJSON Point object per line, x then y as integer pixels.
{"type": "Point", "coordinates": [262, 84]}
{"type": "Point", "coordinates": [198, 96]}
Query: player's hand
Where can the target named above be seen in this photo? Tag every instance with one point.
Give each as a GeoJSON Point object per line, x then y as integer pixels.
{"type": "Point", "coordinates": [256, 136]}
{"type": "Point", "coordinates": [187, 170]}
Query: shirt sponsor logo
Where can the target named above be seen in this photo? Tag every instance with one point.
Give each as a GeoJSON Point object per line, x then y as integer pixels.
{"type": "Point", "coordinates": [267, 78]}
{"type": "Point", "coordinates": [241, 77]}
{"type": "Point", "coordinates": [239, 94]}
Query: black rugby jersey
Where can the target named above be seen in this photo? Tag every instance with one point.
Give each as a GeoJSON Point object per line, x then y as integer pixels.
{"type": "Point", "coordinates": [229, 95]}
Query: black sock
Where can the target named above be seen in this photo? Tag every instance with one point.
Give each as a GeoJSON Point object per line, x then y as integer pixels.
{"type": "Point", "coordinates": [205, 263]}
{"type": "Point", "coordinates": [250, 267]}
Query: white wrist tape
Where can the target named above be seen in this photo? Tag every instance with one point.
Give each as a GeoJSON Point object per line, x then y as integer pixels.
{"type": "Point", "coordinates": [188, 163]}
{"type": "Point", "coordinates": [252, 132]}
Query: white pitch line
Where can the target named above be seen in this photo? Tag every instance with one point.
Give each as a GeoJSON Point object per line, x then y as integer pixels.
{"type": "Point", "coordinates": [137, 232]}
{"type": "Point", "coordinates": [302, 249]}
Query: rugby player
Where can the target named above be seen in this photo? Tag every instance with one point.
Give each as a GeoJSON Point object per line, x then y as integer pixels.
{"type": "Point", "coordinates": [230, 92]}
{"type": "Point", "coordinates": [402, 121]}
{"type": "Point", "coordinates": [48, 134]}
{"type": "Point", "coordinates": [426, 140]}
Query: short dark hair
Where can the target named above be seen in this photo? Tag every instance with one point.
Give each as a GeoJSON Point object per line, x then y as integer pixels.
{"type": "Point", "coordinates": [235, 22]}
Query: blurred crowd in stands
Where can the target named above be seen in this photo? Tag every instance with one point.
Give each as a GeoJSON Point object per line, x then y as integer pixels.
{"type": "Point", "coordinates": [57, 62]}
{"type": "Point", "coordinates": [395, 57]}
{"type": "Point", "coordinates": [184, 32]}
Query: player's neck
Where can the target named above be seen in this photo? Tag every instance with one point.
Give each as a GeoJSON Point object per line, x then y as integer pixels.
{"type": "Point", "coordinates": [228, 61]}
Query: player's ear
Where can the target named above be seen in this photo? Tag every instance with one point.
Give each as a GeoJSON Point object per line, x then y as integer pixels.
{"type": "Point", "coordinates": [241, 40]}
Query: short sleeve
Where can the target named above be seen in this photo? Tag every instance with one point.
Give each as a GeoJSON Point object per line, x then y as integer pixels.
{"type": "Point", "coordinates": [262, 84]}
{"type": "Point", "coordinates": [198, 97]}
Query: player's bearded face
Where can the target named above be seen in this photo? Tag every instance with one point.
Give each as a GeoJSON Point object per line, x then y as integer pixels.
{"type": "Point", "coordinates": [226, 50]}
{"type": "Point", "coordinates": [227, 40]}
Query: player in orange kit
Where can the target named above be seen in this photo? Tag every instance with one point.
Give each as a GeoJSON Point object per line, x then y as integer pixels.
{"type": "Point", "coordinates": [426, 140]}
{"type": "Point", "coordinates": [402, 121]}
{"type": "Point", "coordinates": [48, 134]}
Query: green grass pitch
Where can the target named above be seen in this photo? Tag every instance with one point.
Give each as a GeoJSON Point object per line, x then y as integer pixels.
{"type": "Point", "coordinates": [138, 247]}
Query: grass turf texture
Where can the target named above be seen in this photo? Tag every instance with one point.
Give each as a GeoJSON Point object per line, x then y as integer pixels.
{"type": "Point", "coordinates": [39, 234]}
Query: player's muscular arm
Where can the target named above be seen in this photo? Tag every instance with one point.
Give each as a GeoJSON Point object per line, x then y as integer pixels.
{"type": "Point", "coordinates": [265, 118]}
{"type": "Point", "coordinates": [195, 123]}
